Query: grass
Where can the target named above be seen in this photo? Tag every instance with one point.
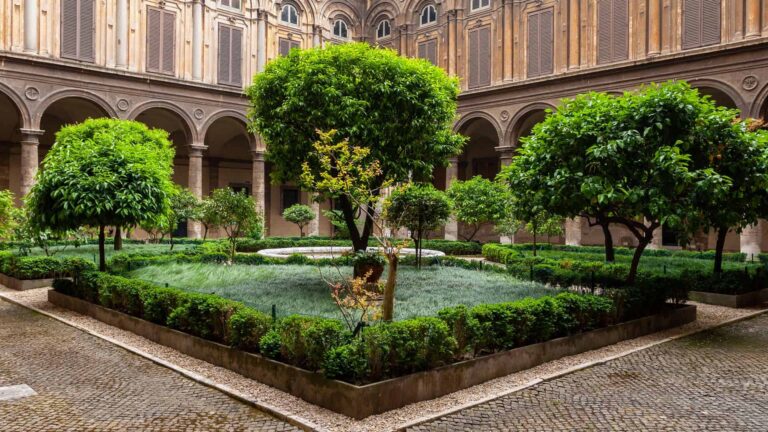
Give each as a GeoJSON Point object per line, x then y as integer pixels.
{"type": "Point", "coordinates": [90, 251]}
{"type": "Point", "coordinates": [297, 289]}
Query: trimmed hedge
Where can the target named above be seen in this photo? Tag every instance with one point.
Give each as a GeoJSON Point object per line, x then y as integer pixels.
{"type": "Point", "coordinates": [626, 251]}
{"type": "Point", "coordinates": [41, 267]}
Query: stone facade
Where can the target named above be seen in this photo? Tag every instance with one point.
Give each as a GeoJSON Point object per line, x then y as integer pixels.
{"type": "Point", "coordinates": [181, 65]}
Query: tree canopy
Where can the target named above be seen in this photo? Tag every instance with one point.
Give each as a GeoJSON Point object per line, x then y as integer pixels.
{"type": "Point", "coordinates": [400, 109]}
{"type": "Point", "coordinates": [479, 201]}
{"type": "Point", "coordinates": [299, 214]}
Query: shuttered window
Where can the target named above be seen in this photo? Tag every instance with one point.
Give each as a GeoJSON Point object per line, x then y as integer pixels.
{"type": "Point", "coordinates": [612, 30]}
{"type": "Point", "coordinates": [234, 4]}
{"type": "Point", "coordinates": [77, 29]}
{"type": "Point", "coordinates": [540, 43]}
{"type": "Point", "coordinates": [286, 45]}
{"type": "Point", "coordinates": [161, 37]}
{"type": "Point", "coordinates": [701, 23]}
{"type": "Point", "coordinates": [428, 51]}
{"type": "Point", "coordinates": [480, 57]}
{"type": "Point", "coordinates": [230, 55]}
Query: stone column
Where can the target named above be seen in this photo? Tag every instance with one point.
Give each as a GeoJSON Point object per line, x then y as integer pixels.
{"type": "Point", "coordinates": [451, 174]}
{"type": "Point", "coordinates": [753, 19]}
{"type": "Point", "coordinates": [31, 22]}
{"type": "Point", "coordinates": [30, 141]}
{"type": "Point", "coordinates": [654, 27]}
{"type": "Point", "coordinates": [195, 184]}
{"type": "Point", "coordinates": [122, 34]}
{"type": "Point", "coordinates": [258, 185]}
{"type": "Point", "coordinates": [506, 153]}
{"type": "Point", "coordinates": [197, 40]}
{"type": "Point", "coordinates": [261, 43]}
{"type": "Point", "coordinates": [508, 48]}
{"type": "Point", "coordinates": [573, 231]}
{"type": "Point", "coordinates": [313, 229]}
{"type": "Point", "coordinates": [750, 241]}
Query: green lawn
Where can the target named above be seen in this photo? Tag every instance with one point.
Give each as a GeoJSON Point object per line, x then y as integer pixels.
{"type": "Point", "coordinates": [90, 251]}
{"type": "Point", "coordinates": [300, 289]}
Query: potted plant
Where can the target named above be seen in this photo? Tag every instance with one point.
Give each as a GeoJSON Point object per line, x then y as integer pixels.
{"type": "Point", "coordinates": [369, 265]}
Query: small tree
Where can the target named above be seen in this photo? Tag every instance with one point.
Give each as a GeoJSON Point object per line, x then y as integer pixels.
{"type": "Point", "coordinates": [478, 202]}
{"type": "Point", "coordinates": [103, 172]}
{"type": "Point", "coordinates": [208, 216]}
{"type": "Point", "coordinates": [237, 215]}
{"type": "Point", "coordinates": [419, 208]}
{"type": "Point", "coordinates": [299, 214]}
{"type": "Point", "coordinates": [184, 207]}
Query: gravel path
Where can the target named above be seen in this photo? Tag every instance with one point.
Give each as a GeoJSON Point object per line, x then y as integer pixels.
{"type": "Point", "coordinates": [708, 316]}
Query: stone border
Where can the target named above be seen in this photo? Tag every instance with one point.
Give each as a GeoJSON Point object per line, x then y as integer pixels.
{"type": "Point", "coordinates": [24, 284]}
{"type": "Point", "coordinates": [335, 251]}
{"type": "Point", "coordinates": [730, 300]}
{"type": "Point", "coordinates": [362, 401]}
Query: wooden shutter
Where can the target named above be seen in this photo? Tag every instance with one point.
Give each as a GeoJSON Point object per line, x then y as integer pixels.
{"type": "Point", "coordinates": [428, 51]}
{"type": "Point", "coordinates": [533, 51]}
{"type": "Point", "coordinates": [620, 31]}
{"type": "Point", "coordinates": [169, 38]}
{"type": "Point", "coordinates": [701, 23]}
{"type": "Point", "coordinates": [161, 37]}
{"type": "Point", "coordinates": [710, 26]}
{"type": "Point", "coordinates": [231, 55]}
{"type": "Point", "coordinates": [225, 58]}
{"type": "Point", "coordinates": [540, 43]}
{"type": "Point", "coordinates": [236, 54]}
{"type": "Point", "coordinates": [69, 25]}
{"type": "Point", "coordinates": [612, 28]}
{"type": "Point", "coordinates": [474, 58]}
{"type": "Point", "coordinates": [86, 30]}
{"type": "Point", "coordinates": [480, 57]}
{"type": "Point", "coordinates": [77, 29]}
{"type": "Point", "coordinates": [286, 45]}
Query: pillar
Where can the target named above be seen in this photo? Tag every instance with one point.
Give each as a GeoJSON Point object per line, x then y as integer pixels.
{"type": "Point", "coordinates": [261, 43]}
{"type": "Point", "coordinates": [30, 142]}
{"type": "Point", "coordinates": [506, 153]}
{"type": "Point", "coordinates": [750, 241]}
{"type": "Point", "coordinates": [753, 19]}
{"type": "Point", "coordinates": [573, 231]}
{"type": "Point", "coordinates": [313, 229]}
{"type": "Point", "coordinates": [654, 27]}
{"type": "Point", "coordinates": [31, 22]}
{"type": "Point", "coordinates": [258, 185]}
{"type": "Point", "coordinates": [452, 42]}
{"type": "Point", "coordinates": [122, 34]}
{"type": "Point", "coordinates": [197, 40]}
{"type": "Point", "coordinates": [507, 47]}
{"type": "Point", "coordinates": [451, 174]}
{"type": "Point", "coordinates": [195, 184]}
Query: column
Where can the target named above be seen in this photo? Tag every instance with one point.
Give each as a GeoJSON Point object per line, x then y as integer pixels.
{"type": "Point", "coordinates": [451, 174]}
{"type": "Point", "coordinates": [654, 27]}
{"type": "Point", "coordinates": [258, 185]}
{"type": "Point", "coordinates": [30, 141]}
{"type": "Point", "coordinates": [753, 19]}
{"type": "Point", "coordinates": [573, 231]}
{"type": "Point", "coordinates": [261, 42]}
{"type": "Point", "coordinates": [31, 22]}
{"type": "Point", "coordinates": [573, 34]}
{"type": "Point", "coordinates": [506, 153]}
{"type": "Point", "coordinates": [452, 60]}
{"type": "Point", "coordinates": [195, 184]}
{"type": "Point", "coordinates": [313, 229]}
{"type": "Point", "coordinates": [197, 40]}
{"type": "Point", "coordinates": [750, 241]}
{"type": "Point", "coordinates": [507, 47]}
{"type": "Point", "coordinates": [122, 34]}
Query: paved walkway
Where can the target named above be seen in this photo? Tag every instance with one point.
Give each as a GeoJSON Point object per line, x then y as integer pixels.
{"type": "Point", "coordinates": [86, 384]}
{"type": "Point", "coordinates": [711, 381]}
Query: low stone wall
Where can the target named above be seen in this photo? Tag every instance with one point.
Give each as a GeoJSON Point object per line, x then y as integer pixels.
{"type": "Point", "coordinates": [730, 300]}
{"type": "Point", "coordinates": [24, 284]}
{"type": "Point", "coordinates": [362, 401]}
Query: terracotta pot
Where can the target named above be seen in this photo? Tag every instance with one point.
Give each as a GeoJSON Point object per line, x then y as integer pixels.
{"type": "Point", "coordinates": [375, 269]}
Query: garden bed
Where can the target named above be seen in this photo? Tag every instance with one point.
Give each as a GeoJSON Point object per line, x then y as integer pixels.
{"type": "Point", "coordinates": [730, 300]}
{"type": "Point", "coordinates": [362, 401]}
{"type": "Point", "coordinates": [24, 284]}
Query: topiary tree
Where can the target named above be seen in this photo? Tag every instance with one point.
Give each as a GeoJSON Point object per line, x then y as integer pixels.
{"type": "Point", "coordinates": [103, 172]}
{"type": "Point", "coordinates": [419, 208]}
{"type": "Point", "coordinates": [299, 214]}
{"type": "Point", "coordinates": [400, 109]}
{"type": "Point", "coordinates": [479, 201]}
{"type": "Point", "coordinates": [237, 215]}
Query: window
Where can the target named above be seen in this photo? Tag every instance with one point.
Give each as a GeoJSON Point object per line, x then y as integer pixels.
{"type": "Point", "coordinates": [612, 30]}
{"type": "Point", "coordinates": [291, 196]}
{"type": "Point", "coordinates": [383, 30]}
{"type": "Point", "coordinates": [289, 15]}
{"type": "Point", "coordinates": [340, 29]}
{"type": "Point", "coordinates": [230, 55]}
{"type": "Point", "coordinates": [428, 51]}
{"type": "Point", "coordinates": [480, 4]}
{"type": "Point", "coordinates": [701, 23]}
{"type": "Point", "coordinates": [161, 28]}
{"type": "Point", "coordinates": [77, 30]}
{"type": "Point", "coordinates": [428, 15]}
{"type": "Point", "coordinates": [234, 4]}
{"type": "Point", "coordinates": [540, 43]}
{"type": "Point", "coordinates": [286, 45]}
{"type": "Point", "coordinates": [480, 57]}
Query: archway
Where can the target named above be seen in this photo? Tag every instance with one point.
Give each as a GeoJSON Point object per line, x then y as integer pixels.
{"type": "Point", "coordinates": [63, 112]}
{"type": "Point", "coordinates": [179, 132]}
{"type": "Point", "coordinates": [523, 125]}
{"type": "Point", "coordinates": [720, 97]}
{"type": "Point", "coordinates": [10, 151]}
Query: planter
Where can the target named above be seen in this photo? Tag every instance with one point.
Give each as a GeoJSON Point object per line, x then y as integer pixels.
{"type": "Point", "coordinates": [730, 300]}
{"type": "Point", "coordinates": [24, 284]}
{"type": "Point", "coordinates": [362, 401]}
{"type": "Point", "coordinates": [376, 271]}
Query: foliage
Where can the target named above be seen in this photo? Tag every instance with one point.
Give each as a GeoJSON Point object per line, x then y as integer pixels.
{"type": "Point", "coordinates": [299, 214]}
{"type": "Point", "coordinates": [7, 210]}
{"type": "Point", "coordinates": [357, 300]}
{"type": "Point", "coordinates": [340, 229]}
{"type": "Point", "coordinates": [479, 201]}
{"type": "Point", "coordinates": [103, 172]}
{"type": "Point", "coordinates": [303, 341]}
{"type": "Point", "coordinates": [202, 315]}
{"type": "Point", "coordinates": [208, 216]}
{"type": "Point", "coordinates": [247, 327]}
{"type": "Point", "coordinates": [184, 207]}
{"type": "Point", "coordinates": [400, 110]}
{"type": "Point", "coordinates": [237, 214]}
{"type": "Point", "coordinates": [39, 267]}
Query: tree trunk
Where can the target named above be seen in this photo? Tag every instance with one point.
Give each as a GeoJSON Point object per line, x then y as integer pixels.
{"type": "Point", "coordinates": [232, 249]}
{"type": "Point", "coordinates": [118, 245]}
{"type": "Point", "coordinates": [722, 232]}
{"type": "Point", "coordinates": [610, 255]}
{"type": "Point", "coordinates": [534, 241]}
{"type": "Point", "coordinates": [359, 242]}
{"type": "Point", "coordinates": [205, 232]}
{"type": "Point", "coordinates": [102, 255]}
{"type": "Point", "coordinates": [636, 258]}
{"type": "Point", "coordinates": [170, 237]}
{"type": "Point", "coordinates": [388, 306]}
{"type": "Point", "coordinates": [301, 231]}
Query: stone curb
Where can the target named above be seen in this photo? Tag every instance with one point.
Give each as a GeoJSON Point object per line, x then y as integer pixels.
{"type": "Point", "coordinates": [294, 420]}
{"type": "Point", "coordinates": [579, 367]}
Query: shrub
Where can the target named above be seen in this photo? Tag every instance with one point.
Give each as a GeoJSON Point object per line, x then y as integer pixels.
{"type": "Point", "coordinates": [41, 267]}
{"type": "Point", "coordinates": [204, 315]}
{"type": "Point", "coordinates": [247, 327]}
{"type": "Point", "coordinates": [584, 312]}
{"type": "Point", "coordinates": [303, 341]}
{"type": "Point", "coordinates": [463, 325]}
{"type": "Point", "coordinates": [346, 362]}
{"type": "Point", "coordinates": [123, 295]}
{"type": "Point", "coordinates": [158, 303]}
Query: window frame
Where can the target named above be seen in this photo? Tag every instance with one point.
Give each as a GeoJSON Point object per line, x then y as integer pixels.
{"type": "Point", "coordinates": [424, 10]}
{"type": "Point", "coordinates": [231, 8]}
{"type": "Point", "coordinates": [295, 10]}
{"type": "Point", "coordinates": [389, 29]}
{"type": "Point", "coordinates": [472, 7]}
{"type": "Point", "coordinates": [342, 25]}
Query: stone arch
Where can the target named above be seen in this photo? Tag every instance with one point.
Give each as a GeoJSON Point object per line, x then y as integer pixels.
{"type": "Point", "coordinates": [306, 10]}
{"type": "Point", "coordinates": [60, 95]}
{"type": "Point", "coordinates": [412, 11]}
{"type": "Point", "coordinates": [479, 156]}
{"type": "Point", "coordinates": [185, 121]}
{"type": "Point", "coordinates": [760, 105]}
{"type": "Point", "coordinates": [64, 108]}
{"type": "Point", "coordinates": [15, 117]}
{"type": "Point", "coordinates": [21, 108]}
{"type": "Point", "coordinates": [229, 146]}
{"type": "Point", "coordinates": [469, 117]}
{"type": "Point", "coordinates": [525, 118]}
{"type": "Point", "coordinates": [385, 9]}
{"type": "Point", "coordinates": [720, 92]}
{"type": "Point", "coordinates": [242, 118]}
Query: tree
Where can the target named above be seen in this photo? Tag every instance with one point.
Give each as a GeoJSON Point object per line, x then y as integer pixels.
{"type": "Point", "coordinates": [208, 216]}
{"type": "Point", "coordinates": [103, 172]}
{"type": "Point", "coordinates": [7, 213]}
{"type": "Point", "coordinates": [636, 170]}
{"type": "Point", "coordinates": [419, 208]}
{"type": "Point", "coordinates": [400, 109]}
{"type": "Point", "coordinates": [184, 207]}
{"type": "Point", "coordinates": [237, 215]}
{"type": "Point", "coordinates": [299, 214]}
{"type": "Point", "coordinates": [479, 201]}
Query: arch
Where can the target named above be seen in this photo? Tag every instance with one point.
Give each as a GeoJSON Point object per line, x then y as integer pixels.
{"type": "Point", "coordinates": [241, 117]}
{"type": "Point", "coordinates": [305, 9]}
{"type": "Point", "coordinates": [427, 15]}
{"type": "Point", "coordinates": [466, 119]}
{"type": "Point", "coordinates": [72, 93]}
{"type": "Point", "coordinates": [760, 104]}
{"type": "Point", "coordinates": [187, 122]}
{"type": "Point", "coordinates": [722, 93]}
{"type": "Point", "coordinates": [517, 124]}
{"type": "Point", "coordinates": [382, 10]}
{"type": "Point", "coordinates": [18, 102]}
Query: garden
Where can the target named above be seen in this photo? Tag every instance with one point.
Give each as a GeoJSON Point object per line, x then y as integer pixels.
{"type": "Point", "coordinates": [384, 309]}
